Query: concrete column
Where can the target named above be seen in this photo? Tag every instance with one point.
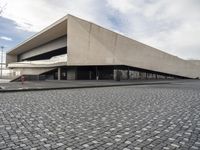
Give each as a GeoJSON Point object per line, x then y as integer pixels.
{"type": "Point", "coordinates": [97, 73]}
{"type": "Point", "coordinates": [90, 75]}
{"type": "Point", "coordinates": [59, 73]}
{"type": "Point", "coordinates": [128, 73]}
{"type": "Point", "coordinates": [117, 75]}
{"type": "Point", "coordinates": [71, 73]}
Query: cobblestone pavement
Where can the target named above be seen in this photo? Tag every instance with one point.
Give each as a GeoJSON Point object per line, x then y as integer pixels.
{"type": "Point", "coordinates": [114, 118]}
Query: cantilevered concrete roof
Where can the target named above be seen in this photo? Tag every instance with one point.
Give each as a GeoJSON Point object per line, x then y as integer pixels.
{"type": "Point", "coordinates": [54, 31]}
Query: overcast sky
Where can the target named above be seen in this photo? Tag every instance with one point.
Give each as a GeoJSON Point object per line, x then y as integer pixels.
{"type": "Point", "coordinates": [172, 26]}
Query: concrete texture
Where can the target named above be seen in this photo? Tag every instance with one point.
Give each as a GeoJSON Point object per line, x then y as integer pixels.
{"type": "Point", "coordinates": [196, 62]}
{"type": "Point", "coordinates": [94, 45]}
{"type": "Point", "coordinates": [54, 61]}
{"type": "Point", "coordinates": [71, 73]}
{"type": "Point", "coordinates": [52, 45]}
{"type": "Point", "coordinates": [116, 118]}
{"type": "Point", "coordinates": [33, 71]}
{"type": "Point", "coordinates": [10, 58]}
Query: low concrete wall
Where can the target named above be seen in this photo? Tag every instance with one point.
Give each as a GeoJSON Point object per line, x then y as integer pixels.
{"type": "Point", "coordinates": [32, 71]}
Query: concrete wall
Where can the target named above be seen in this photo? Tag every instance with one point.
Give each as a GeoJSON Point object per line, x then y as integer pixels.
{"type": "Point", "coordinates": [32, 71]}
{"type": "Point", "coordinates": [196, 62]}
{"type": "Point", "coordinates": [10, 58]}
{"type": "Point", "coordinates": [71, 73]}
{"type": "Point", "coordinates": [89, 44]}
{"type": "Point", "coordinates": [50, 46]}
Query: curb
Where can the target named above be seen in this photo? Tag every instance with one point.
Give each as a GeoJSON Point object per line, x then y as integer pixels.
{"type": "Point", "coordinates": [78, 87]}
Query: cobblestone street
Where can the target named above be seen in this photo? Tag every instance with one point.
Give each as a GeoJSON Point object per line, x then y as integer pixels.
{"type": "Point", "coordinates": [112, 118]}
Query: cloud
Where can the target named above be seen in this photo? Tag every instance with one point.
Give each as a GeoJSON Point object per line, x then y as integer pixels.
{"type": "Point", "coordinates": [123, 6]}
{"type": "Point", "coordinates": [36, 15]}
{"type": "Point", "coordinates": [5, 38]}
{"type": "Point", "coordinates": [9, 29]}
{"type": "Point", "coordinates": [170, 26]}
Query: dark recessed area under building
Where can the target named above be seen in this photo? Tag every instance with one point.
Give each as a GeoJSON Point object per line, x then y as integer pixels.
{"type": "Point", "coordinates": [104, 73]}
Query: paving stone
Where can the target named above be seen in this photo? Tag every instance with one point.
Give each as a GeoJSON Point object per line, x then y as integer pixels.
{"type": "Point", "coordinates": [126, 118]}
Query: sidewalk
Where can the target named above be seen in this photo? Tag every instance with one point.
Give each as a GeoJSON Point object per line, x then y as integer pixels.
{"type": "Point", "coordinates": [55, 85]}
{"type": "Point", "coordinates": [4, 80]}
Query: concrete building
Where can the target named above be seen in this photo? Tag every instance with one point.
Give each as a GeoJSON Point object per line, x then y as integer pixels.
{"type": "Point", "coordinates": [73, 48]}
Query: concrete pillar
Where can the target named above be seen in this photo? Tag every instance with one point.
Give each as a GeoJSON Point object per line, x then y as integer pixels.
{"type": "Point", "coordinates": [128, 73]}
{"type": "Point", "coordinates": [90, 75]}
{"type": "Point", "coordinates": [117, 75]}
{"type": "Point", "coordinates": [71, 73]}
{"type": "Point", "coordinates": [97, 73]}
{"type": "Point", "coordinates": [59, 73]}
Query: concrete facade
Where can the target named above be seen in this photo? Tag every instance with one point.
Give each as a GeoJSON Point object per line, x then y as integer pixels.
{"type": "Point", "coordinates": [98, 46]}
{"type": "Point", "coordinates": [90, 45]}
{"type": "Point", "coordinates": [52, 45]}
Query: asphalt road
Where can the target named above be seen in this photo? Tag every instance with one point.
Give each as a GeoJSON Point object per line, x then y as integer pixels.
{"type": "Point", "coordinates": [112, 118]}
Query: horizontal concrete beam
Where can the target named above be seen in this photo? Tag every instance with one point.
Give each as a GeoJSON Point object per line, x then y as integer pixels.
{"type": "Point", "coordinates": [48, 47]}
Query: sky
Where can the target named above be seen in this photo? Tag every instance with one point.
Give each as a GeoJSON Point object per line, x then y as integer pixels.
{"type": "Point", "coordinates": [171, 26]}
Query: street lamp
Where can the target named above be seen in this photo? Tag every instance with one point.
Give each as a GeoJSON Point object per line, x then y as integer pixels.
{"type": "Point", "coordinates": [2, 47]}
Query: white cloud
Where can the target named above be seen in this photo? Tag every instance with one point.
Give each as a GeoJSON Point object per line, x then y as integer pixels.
{"type": "Point", "coordinates": [171, 26]}
{"type": "Point", "coordinates": [5, 38]}
{"type": "Point", "coordinates": [29, 15]}
{"type": "Point", "coordinates": [36, 15]}
{"type": "Point", "coordinates": [123, 6]}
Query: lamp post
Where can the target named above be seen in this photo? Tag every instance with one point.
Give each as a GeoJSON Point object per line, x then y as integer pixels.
{"type": "Point", "coordinates": [2, 47]}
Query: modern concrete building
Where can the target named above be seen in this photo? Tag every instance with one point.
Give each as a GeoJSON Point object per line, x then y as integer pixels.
{"type": "Point", "coordinates": [73, 48]}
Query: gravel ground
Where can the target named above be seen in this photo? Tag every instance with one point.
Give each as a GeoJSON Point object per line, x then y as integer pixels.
{"type": "Point", "coordinates": [112, 118]}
